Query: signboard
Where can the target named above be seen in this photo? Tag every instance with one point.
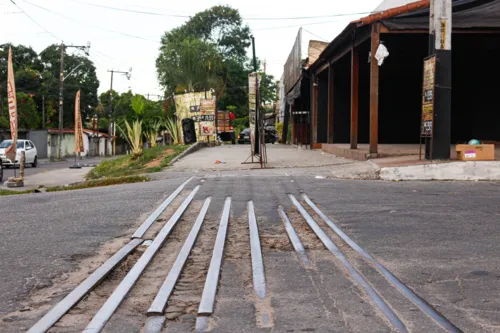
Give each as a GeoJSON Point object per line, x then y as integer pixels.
{"type": "Point", "coordinates": [253, 79]}
{"type": "Point", "coordinates": [428, 97]}
{"type": "Point", "coordinates": [185, 106]}
{"type": "Point", "coordinates": [207, 117]}
{"type": "Point", "coordinates": [293, 65]}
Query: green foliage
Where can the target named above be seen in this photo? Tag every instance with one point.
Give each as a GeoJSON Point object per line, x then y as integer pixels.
{"type": "Point", "coordinates": [103, 123]}
{"type": "Point", "coordinates": [221, 26]}
{"type": "Point", "coordinates": [127, 165]}
{"type": "Point", "coordinates": [133, 136]}
{"type": "Point", "coordinates": [173, 129]}
{"type": "Point", "coordinates": [188, 64]}
{"type": "Point", "coordinates": [268, 88]}
{"type": "Point", "coordinates": [138, 103]}
{"type": "Point", "coordinates": [38, 75]}
{"type": "Point", "coordinates": [28, 117]}
{"type": "Point", "coordinates": [4, 121]}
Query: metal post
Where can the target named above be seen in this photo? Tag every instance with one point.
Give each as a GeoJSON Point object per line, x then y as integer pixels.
{"type": "Point", "coordinates": [441, 18]}
{"type": "Point", "coordinates": [61, 101]}
{"type": "Point", "coordinates": [43, 111]}
{"type": "Point", "coordinates": [354, 97]}
{"type": "Point", "coordinates": [374, 73]}
{"type": "Point", "coordinates": [254, 58]}
{"type": "Point", "coordinates": [111, 123]}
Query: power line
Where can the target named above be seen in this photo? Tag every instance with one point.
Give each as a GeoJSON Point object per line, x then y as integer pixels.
{"type": "Point", "coordinates": [86, 24]}
{"type": "Point", "coordinates": [34, 21]}
{"type": "Point", "coordinates": [244, 18]}
{"type": "Point", "coordinates": [296, 25]}
{"type": "Point", "coordinates": [315, 35]}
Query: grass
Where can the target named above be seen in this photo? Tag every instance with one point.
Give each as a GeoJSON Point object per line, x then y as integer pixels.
{"type": "Point", "coordinates": [152, 160]}
{"type": "Point", "coordinates": [86, 184]}
{"type": "Point", "coordinates": [10, 192]}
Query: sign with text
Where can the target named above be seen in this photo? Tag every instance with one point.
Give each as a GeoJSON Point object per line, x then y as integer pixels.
{"type": "Point", "coordinates": [207, 117]}
{"type": "Point", "coordinates": [428, 97]}
{"type": "Point", "coordinates": [253, 80]}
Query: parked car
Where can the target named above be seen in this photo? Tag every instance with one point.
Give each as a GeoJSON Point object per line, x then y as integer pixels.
{"type": "Point", "coordinates": [30, 153]}
{"type": "Point", "coordinates": [244, 136]}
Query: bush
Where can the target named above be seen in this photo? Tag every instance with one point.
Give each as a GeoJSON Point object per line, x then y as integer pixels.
{"type": "Point", "coordinates": [4, 122]}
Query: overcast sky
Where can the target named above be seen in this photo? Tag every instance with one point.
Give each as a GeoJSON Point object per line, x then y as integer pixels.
{"type": "Point", "coordinates": [122, 39]}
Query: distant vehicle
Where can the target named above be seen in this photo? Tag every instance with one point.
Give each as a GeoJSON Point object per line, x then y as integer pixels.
{"type": "Point", "coordinates": [225, 129]}
{"type": "Point", "coordinates": [244, 136]}
{"type": "Point", "coordinates": [30, 153]}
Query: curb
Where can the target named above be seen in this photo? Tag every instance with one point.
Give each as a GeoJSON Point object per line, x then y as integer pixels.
{"type": "Point", "coordinates": [197, 146]}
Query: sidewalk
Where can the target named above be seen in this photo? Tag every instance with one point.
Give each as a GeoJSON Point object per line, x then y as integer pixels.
{"type": "Point", "coordinates": [47, 178]}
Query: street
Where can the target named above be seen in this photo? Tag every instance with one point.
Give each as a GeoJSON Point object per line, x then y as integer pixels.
{"type": "Point", "coordinates": [439, 238]}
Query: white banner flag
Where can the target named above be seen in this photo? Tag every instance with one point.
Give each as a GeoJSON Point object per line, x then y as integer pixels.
{"type": "Point", "coordinates": [11, 96]}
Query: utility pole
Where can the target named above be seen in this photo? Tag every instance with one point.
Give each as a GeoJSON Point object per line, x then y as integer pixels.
{"type": "Point", "coordinates": [440, 32]}
{"type": "Point", "coordinates": [63, 48]}
{"type": "Point", "coordinates": [43, 111]}
{"type": "Point", "coordinates": [61, 101]}
{"type": "Point", "coordinates": [112, 125]}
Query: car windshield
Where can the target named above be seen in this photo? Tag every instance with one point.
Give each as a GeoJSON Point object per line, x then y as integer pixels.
{"type": "Point", "coordinates": [8, 143]}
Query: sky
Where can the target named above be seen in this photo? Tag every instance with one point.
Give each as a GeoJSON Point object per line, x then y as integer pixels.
{"type": "Point", "coordinates": [121, 39]}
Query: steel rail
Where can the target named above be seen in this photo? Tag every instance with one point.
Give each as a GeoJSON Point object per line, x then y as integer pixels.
{"type": "Point", "coordinates": [206, 307]}
{"type": "Point", "coordinates": [106, 311]}
{"type": "Point", "coordinates": [370, 291]}
{"type": "Point", "coordinates": [139, 233]}
{"type": "Point", "coordinates": [259, 278]}
{"type": "Point", "coordinates": [161, 299]}
{"type": "Point", "coordinates": [403, 288]}
{"type": "Point", "coordinates": [61, 308]}
{"type": "Point", "coordinates": [294, 238]}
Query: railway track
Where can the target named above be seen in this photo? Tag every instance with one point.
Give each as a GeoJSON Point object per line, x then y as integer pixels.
{"type": "Point", "coordinates": [192, 262]}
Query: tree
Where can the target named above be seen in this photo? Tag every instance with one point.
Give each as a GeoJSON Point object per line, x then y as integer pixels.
{"type": "Point", "coordinates": [268, 89]}
{"type": "Point", "coordinates": [189, 64]}
{"type": "Point", "coordinates": [28, 117]}
{"type": "Point", "coordinates": [221, 26]}
{"type": "Point", "coordinates": [24, 60]}
{"type": "Point", "coordinates": [82, 78]}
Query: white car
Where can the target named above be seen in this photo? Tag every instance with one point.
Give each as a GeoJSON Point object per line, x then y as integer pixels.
{"type": "Point", "coordinates": [30, 153]}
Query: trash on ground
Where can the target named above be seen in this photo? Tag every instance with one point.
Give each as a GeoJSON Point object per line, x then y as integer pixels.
{"type": "Point", "coordinates": [219, 162]}
{"type": "Point", "coordinates": [320, 177]}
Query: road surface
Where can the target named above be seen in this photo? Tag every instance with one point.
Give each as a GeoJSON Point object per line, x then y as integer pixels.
{"type": "Point", "coordinates": [439, 238]}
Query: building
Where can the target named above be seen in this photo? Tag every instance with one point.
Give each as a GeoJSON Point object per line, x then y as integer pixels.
{"type": "Point", "coordinates": [360, 104]}
{"type": "Point", "coordinates": [95, 143]}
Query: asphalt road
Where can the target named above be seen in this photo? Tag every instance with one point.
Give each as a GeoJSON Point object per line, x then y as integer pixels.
{"type": "Point", "coordinates": [440, 238]}
{"type": "Point", "coordinates": [46, 165]}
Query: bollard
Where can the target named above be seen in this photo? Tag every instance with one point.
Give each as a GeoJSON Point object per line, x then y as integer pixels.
{"type": "Point", "coordinates": [21, 165]}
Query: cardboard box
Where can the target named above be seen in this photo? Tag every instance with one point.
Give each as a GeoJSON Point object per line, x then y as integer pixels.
{"type": "Point", "coordinates": [475, 152]}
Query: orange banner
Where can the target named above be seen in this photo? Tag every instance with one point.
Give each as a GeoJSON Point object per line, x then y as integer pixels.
{"type": "Point", "coordinates": [78, 126]}
{"type": "Point", "coordinates": [11, 96]}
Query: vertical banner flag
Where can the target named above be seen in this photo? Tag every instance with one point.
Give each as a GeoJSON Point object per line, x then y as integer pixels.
{"type": "Point", "coordinates": [11, 96]}
{"type": "Point", "coordinates": [78, 126]}
{"type": "Point", "coordinates": [207, 117]}
{"type": "Point", "coordinates": [253, 117]}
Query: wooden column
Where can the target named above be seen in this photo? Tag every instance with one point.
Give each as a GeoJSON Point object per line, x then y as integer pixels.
{"type": "Point", "coordinates": [314, 109]}
{"type": "Point", "coordinates": [354, 97]}
{"type": "Point", "coordinates": [374, 90]}
{"type": "Point", "coordinates": [331, 105]}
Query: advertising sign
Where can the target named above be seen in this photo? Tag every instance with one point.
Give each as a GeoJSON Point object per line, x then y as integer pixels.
{"type": "Point", "coordinates": [253, 79]}
{"type": "Point", "coordinates": [428, 97]}
{"type": "Point", "coordinates": [207, 117]}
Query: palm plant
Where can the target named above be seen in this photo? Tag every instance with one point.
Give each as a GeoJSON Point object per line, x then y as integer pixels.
{"type": "Point", "coordinates": [173, 130]}
{"type": "Point", "coordinates": [152, 132]}
{"type": "Point", "coordinates": [133, 135]}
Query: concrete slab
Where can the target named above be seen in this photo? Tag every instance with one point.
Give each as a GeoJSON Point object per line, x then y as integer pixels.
{"type": "Point", "coordinates": [58, 177]}
{"type": "Point", "coordinates": [279, 156]}
{"type": "Point", "coordinates": [444, 171]}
